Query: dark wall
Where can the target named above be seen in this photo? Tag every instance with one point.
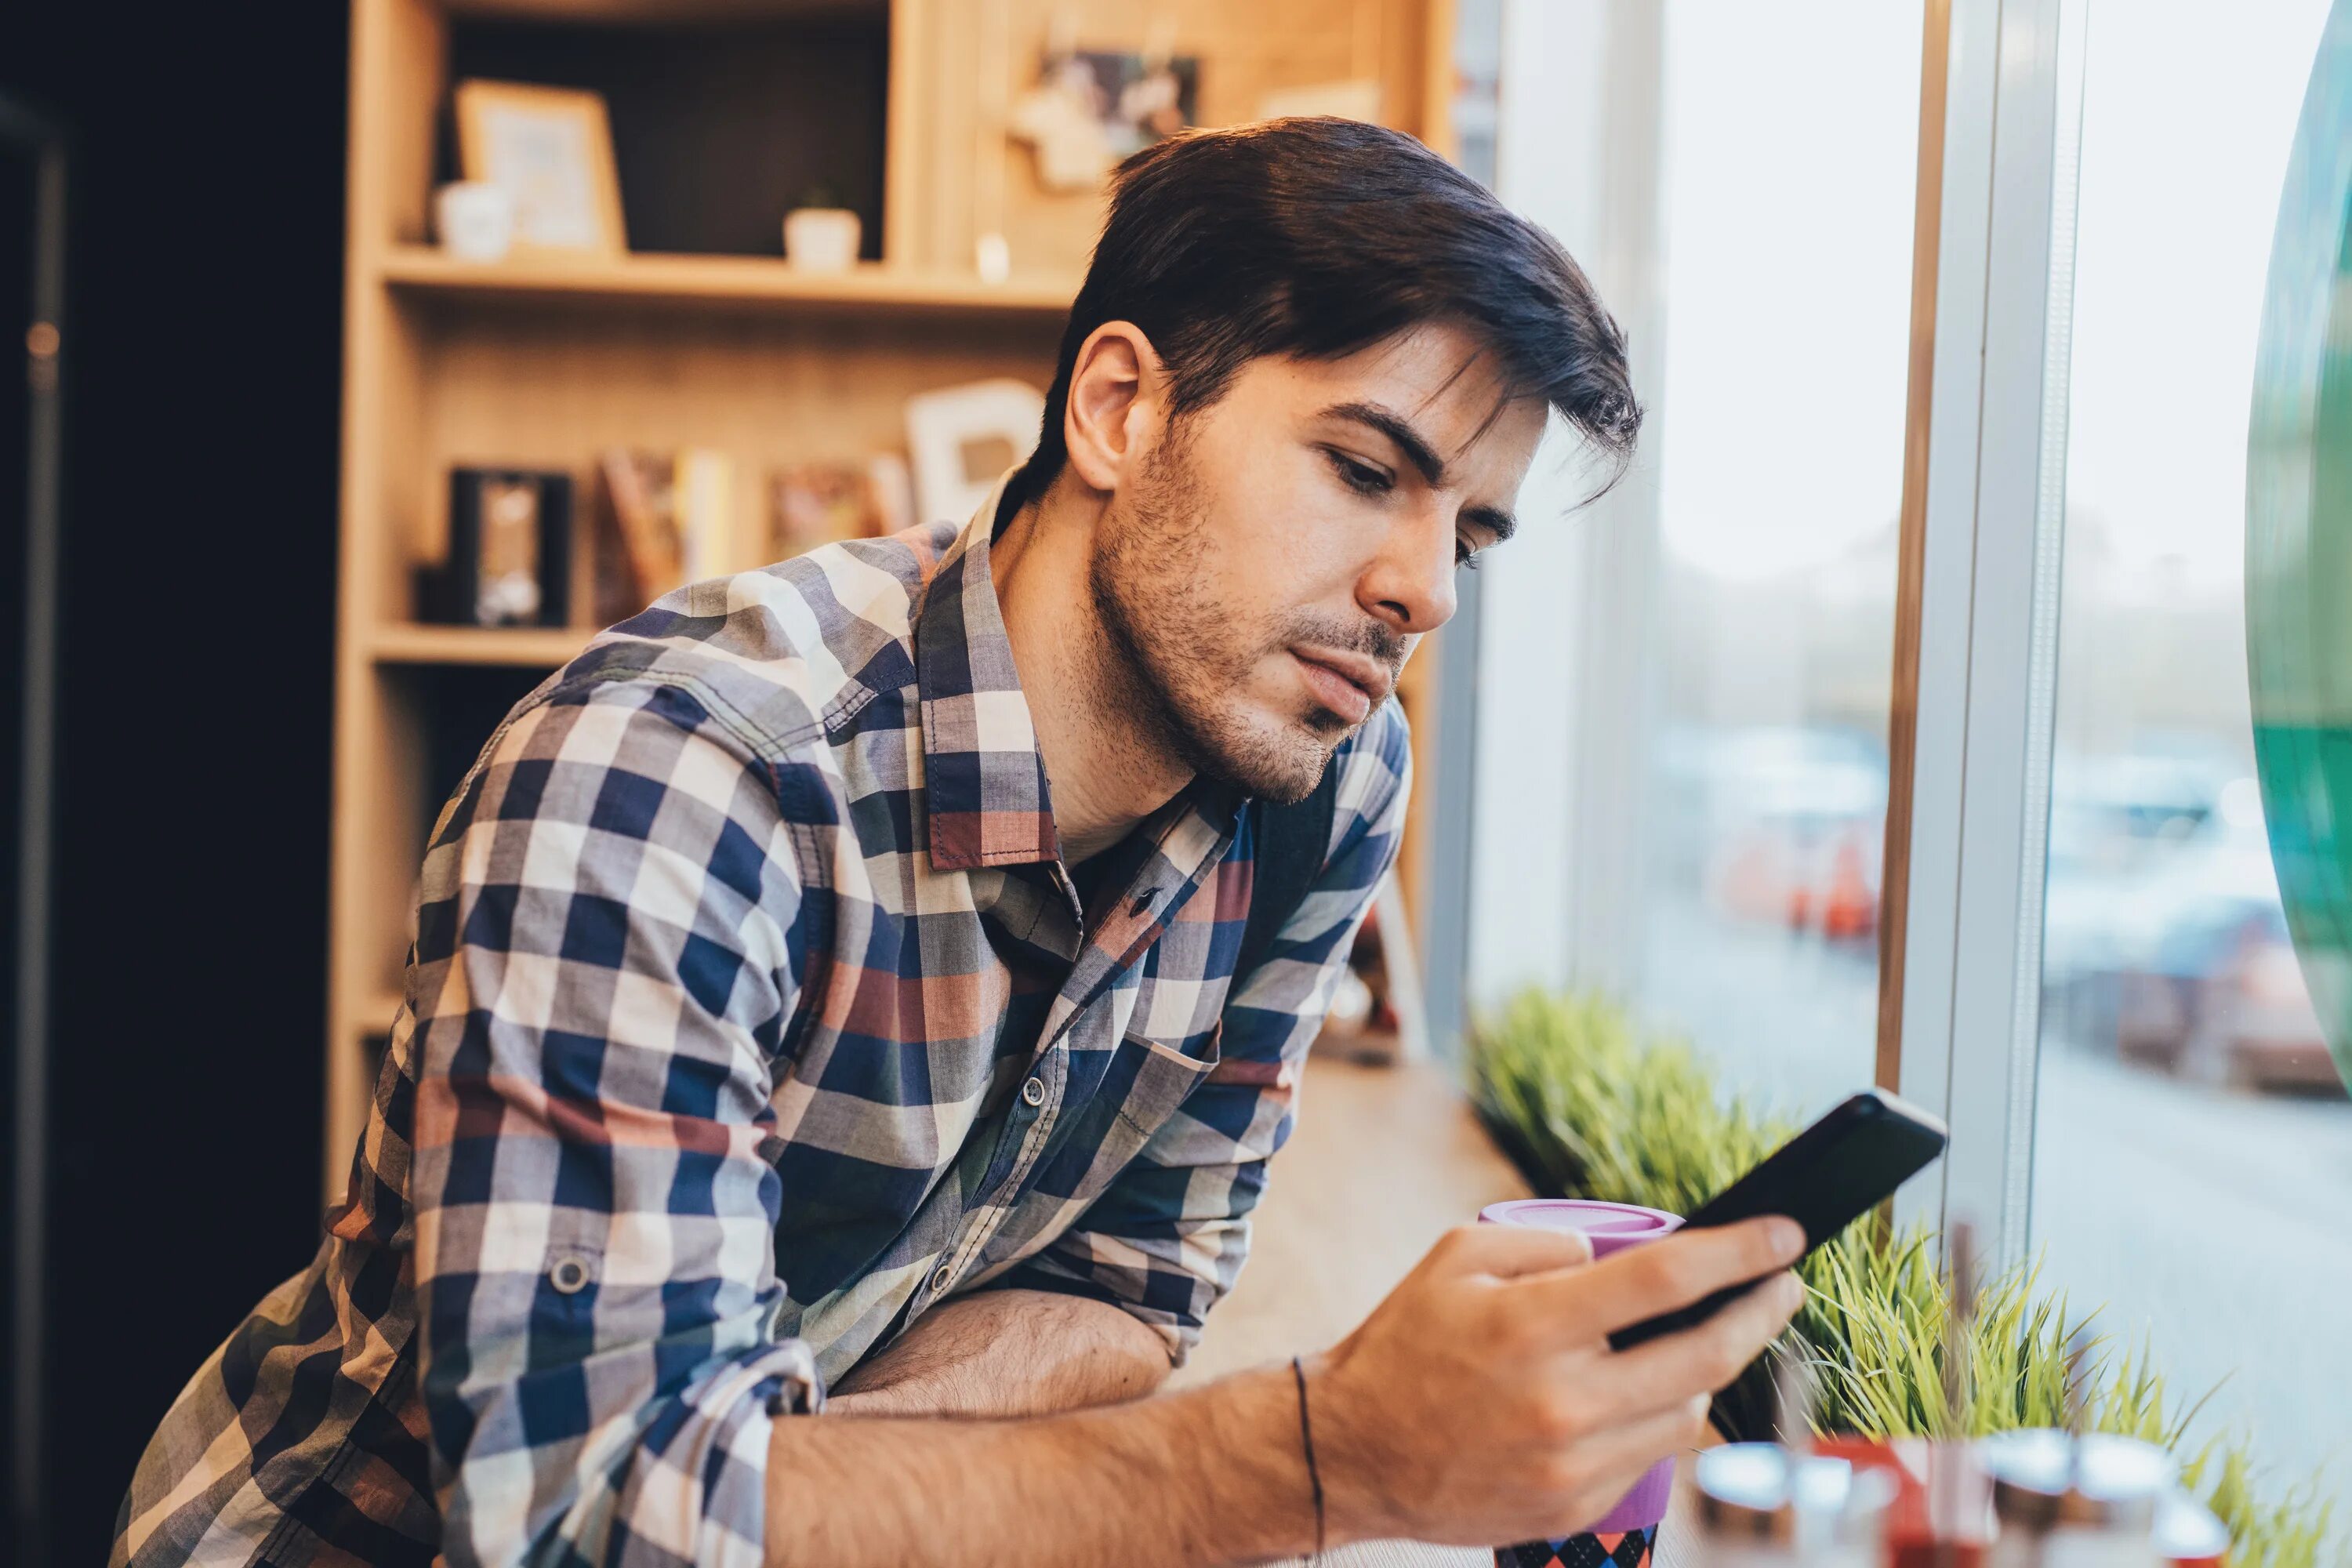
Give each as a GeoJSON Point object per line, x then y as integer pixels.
{"type": "Point", "coordinates": [203, 361]}
{"type": "Point", "coordinates": [20, 151]}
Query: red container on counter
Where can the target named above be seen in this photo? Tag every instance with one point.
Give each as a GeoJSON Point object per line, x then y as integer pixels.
{"type": "Point", "coordinates": [1924, 1473]}
{"type": "Point", "coordinates": [2187, 1534]}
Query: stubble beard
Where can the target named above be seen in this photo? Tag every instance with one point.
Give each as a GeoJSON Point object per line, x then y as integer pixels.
{"type": "Point", "coordinates": [1174, 659]}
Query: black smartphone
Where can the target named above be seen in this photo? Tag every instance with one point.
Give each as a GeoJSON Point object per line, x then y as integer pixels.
{"type": "Point", "coordinates": [1824, 1178]}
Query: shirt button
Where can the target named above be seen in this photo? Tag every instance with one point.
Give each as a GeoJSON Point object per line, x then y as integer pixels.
{"type": "Point", "coordinates": [1033, 1093]}
{"type": "Point", "coordinates": [942, 1281]}
{"type": "Point", "coordinates": [570, 1276]}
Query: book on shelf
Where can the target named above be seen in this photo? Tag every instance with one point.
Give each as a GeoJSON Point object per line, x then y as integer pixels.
{"type": "Point", "coordinates": [817, 503]}
{"type": "Point", "coordinates": [665, 519]}
{"type": "Point", "coordinates": [706, 514]}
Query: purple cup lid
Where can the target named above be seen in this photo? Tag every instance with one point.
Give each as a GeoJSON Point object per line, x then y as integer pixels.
{"type": "Point", "coordinates": [1609, 1226]}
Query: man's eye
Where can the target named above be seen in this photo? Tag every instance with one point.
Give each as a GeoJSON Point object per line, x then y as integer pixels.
{"type": "Point", "coordinates": [1360, 477]}
{"type": "Point", "coordinates": [1466, 554]}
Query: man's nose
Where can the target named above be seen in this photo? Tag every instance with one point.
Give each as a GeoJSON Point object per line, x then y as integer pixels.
{"type": "Point", "coordinates": [1408, 586]}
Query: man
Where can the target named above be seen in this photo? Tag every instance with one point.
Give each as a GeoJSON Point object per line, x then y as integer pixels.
{"type": "Point", "coordinates": [834, 977]}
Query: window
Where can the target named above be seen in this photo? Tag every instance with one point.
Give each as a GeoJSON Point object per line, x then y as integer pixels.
{"type": "Point", "coordinates": [2185, 1094]}
{"type": "Point", "coordinates": [1683, 689]}
{"type": "Point", "coordinates": [1681, 769]}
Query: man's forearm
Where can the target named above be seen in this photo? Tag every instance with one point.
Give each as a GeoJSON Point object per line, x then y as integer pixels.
{"type": "Point", "coordinates": [1008, 1352]}
{"type": "Point", "coordinates": [1480, 1402]}
{"type": "Point", "coordinates": [1214, 1475]}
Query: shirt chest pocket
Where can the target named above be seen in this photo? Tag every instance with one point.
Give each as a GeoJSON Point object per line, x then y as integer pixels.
{"type": "Point", "coordinates": [1163, 1075]}
{"type": "Point", "coordinates": [1144, 1082]}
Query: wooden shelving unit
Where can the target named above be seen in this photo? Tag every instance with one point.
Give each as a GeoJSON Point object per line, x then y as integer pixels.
{"type": "Point", "coordinates": [544, 363]}
{"type": "Point", "coordinates": [692, 283]}
{"type": "Point", "coordinates": [520, 647]}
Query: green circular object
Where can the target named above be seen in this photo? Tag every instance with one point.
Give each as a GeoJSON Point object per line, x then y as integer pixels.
{"type": "Point", "coordinates": [2299, 541]}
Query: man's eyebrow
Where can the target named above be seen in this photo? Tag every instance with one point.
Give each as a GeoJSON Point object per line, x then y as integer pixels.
{"type": "Point", "coordinates": [1424, 460]}
{"type": "Point", "coordinates": [1399, 429]}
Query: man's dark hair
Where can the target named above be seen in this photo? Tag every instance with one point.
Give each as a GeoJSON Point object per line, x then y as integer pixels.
{"type": "Point", "coordinates": [1317, 236]}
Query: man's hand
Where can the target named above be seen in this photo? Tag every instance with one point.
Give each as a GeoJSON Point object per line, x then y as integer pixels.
{"type": "Point", "coordinates": [1481, 1403]}
{"type": "Point", "coordinates": [1008, 1353]}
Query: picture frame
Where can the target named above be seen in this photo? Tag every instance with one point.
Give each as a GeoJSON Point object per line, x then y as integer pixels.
{"type": "Point", "coordinates": [509, 556]}
{"type": "Point", "coordinates": [549, 148]}
{"type": "Point", "coordinates": [962, 439]}
{"type": "Point", "coordinates": [1090, 108]}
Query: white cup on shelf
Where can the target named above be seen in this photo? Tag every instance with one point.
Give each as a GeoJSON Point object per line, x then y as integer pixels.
{"type": "Point", "coordinates": [821, 239]}
{"type": "Point", "coordinates": [475, 220]}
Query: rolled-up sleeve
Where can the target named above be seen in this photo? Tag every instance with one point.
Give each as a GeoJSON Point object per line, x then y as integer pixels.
{"type": "Point", "coordinates": [1167, 1238]}
{"type": "Point", "coordinates": [601, 981]}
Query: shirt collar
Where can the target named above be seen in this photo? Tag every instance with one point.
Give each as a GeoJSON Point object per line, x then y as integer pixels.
{"type": "Point", "coordinates": [984, 781]}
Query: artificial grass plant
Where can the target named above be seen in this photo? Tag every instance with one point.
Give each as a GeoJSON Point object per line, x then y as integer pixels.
{"type": "Point", "coordinates": [1587, 1106]}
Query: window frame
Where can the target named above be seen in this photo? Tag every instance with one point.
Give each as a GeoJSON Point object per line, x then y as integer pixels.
{"type": "Point", "coordinates": [1977, 610]}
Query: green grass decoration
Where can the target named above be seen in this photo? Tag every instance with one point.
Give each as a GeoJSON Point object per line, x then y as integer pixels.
{"type": "Point", "coordinates": [1585, 1106]}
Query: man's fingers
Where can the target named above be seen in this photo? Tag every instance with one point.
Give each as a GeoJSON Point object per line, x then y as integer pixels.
{"type": "Point", "coordinates": [1708, 1355]}
{"type": "Point", "coordinates": [1606, 1465]}
{"type": "Point", "coordinates": [1507, 1251]}
{"type": "Point", "coordinates": [1644, 1281]}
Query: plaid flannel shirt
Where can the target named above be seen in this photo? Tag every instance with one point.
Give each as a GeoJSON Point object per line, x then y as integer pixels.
{"type": "Point", "coordinates": [751, 1013]}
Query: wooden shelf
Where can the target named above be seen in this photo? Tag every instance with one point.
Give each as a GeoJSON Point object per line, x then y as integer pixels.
{"type": "Point", "coordinates": [644, 10]}
{"type": "Point", "coordinates": [720, 282]}
{"type": "Point", "coordinates": [517, 647]}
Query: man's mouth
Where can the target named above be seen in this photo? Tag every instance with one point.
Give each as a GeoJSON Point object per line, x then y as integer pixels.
{"type": "Point", "coordinates": [1348, 684]}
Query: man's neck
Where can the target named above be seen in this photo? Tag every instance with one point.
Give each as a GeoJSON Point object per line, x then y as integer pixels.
{"type": "Point", "coordinates": [1104, 770]}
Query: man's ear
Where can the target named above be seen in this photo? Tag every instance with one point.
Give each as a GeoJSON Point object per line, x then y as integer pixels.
{"type": "Point", "coordinates": [1117, 392]}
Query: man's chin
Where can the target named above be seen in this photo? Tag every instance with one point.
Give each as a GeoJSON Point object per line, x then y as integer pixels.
{"type": "Point", "coordinates": [1270, 759]}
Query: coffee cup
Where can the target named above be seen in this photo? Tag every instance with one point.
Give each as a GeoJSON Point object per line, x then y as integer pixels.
{"type": "Point", "coordinates": [1626, 1535]}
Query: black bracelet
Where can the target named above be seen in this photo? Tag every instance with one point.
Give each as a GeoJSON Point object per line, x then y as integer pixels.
{"type": "Point", "coordinates": [1307, 1437]}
